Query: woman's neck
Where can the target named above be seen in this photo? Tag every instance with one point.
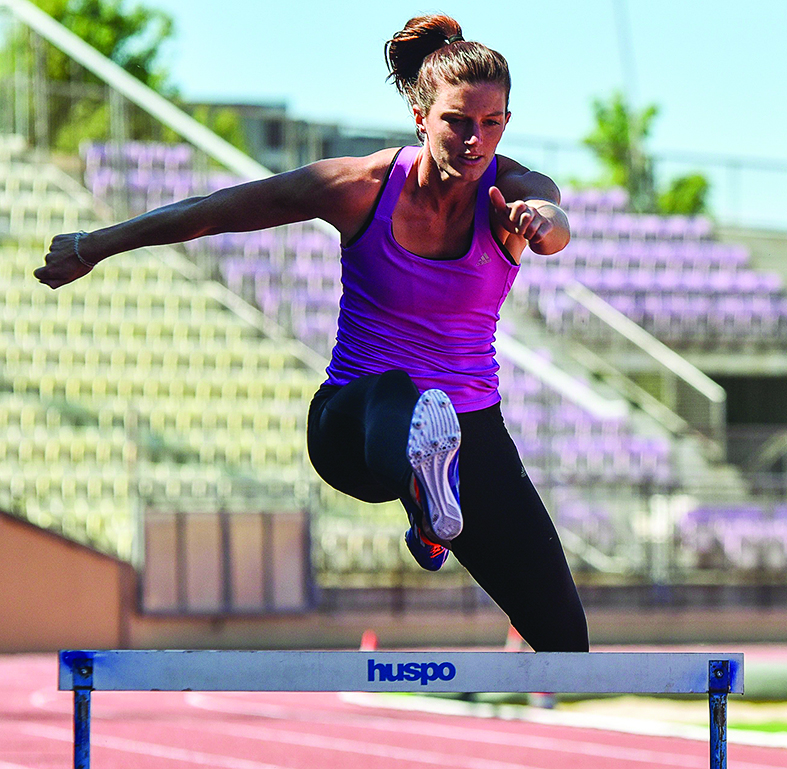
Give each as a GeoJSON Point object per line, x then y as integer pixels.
{"type": "Point", "coordinates": [436, 190]}
{"type": "Point", "coordinates": [434, 217]}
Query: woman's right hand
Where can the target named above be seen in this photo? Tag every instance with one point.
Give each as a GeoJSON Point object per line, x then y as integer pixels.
{"type": "Point", "coordinates": [61, 264]}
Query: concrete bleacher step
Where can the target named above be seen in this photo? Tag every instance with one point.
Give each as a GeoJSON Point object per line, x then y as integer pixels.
{"type": "Point", "coordinates": [707, 480]}
{"type": "Point", "coordinates": [12, 146]}
{"type": "Point", "coordinates": [533, 333]}
{"type": "Point", "coordinates": [138, 381]}
{"type": "Point", "coordinates": [700, 474]}
{"type": "Point", "coordinates": [767, 248]}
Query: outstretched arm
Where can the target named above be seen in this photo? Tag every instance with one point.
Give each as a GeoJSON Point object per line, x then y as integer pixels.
{"type": "Point", "coordinates": [334, 190]}
{"type": "Point", "coordinates": [526, 210]}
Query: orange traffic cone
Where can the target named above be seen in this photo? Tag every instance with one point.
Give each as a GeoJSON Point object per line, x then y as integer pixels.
{"type": "Point", "coordinates": [514, 641]}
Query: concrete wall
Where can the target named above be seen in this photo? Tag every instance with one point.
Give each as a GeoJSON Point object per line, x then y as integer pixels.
{"type": "Point", "coordinates": [768, 248]}
{"type": "Point", "coordinates": [57, 594]}
{"type": "Point", "coordinates": [486, 628]}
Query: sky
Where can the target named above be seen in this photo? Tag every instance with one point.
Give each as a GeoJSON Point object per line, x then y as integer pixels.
{"type": "Point", "coordinates": [717, 70]}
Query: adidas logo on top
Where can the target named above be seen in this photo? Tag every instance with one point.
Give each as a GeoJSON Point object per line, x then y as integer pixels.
{"type": "Point", "coordinates": [483, 259]}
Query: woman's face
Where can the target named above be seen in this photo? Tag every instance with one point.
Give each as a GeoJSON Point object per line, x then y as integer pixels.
{"type": "Point", "coordinates": [463, 128]}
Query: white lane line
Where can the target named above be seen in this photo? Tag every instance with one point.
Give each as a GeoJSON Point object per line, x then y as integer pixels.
{"type": "Point", "coordinates": [242, 707]}
{"type": "Point", "coordinates": [638, 726]}
{"type": "Point", "coordinates": [6, 765]}
{"type": "Point", "coordinates": [468, 733]}
{"type": "Point", "coordinates": [149, 749]}
{"type": "Point", "coordinates": [483, 736]}
{"type": "Point", "coordinates": [359, 747]}
{"type": "Point", "coordinates": [547, 744]}
{"type": "Point", "coordinates": [43, 699]}
{"type": "Point", "coordinates": [424, 757]}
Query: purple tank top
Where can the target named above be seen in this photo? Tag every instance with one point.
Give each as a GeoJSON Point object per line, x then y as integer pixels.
{"type": "Point", "coordinates": [434, 319]}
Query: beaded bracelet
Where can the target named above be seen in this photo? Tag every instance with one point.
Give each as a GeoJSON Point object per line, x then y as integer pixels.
{"type": "Point", "coordinates": [76, 250]}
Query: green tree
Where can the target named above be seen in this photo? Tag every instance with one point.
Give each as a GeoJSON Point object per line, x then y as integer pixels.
{"type": "Point", "coordinates": [77, 101]}
{"type": "Point", "coordinates": [685, 195]}
{"type": "Point", "coordinates": [618, 140]}
{"type": "Point", "coordinates": [223, 121]}
{"type": "Point", "coordinates": [132, 39]}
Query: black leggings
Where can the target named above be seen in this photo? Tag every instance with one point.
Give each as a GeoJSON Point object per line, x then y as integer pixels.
{"type": "Point", "coordinates": [357, 438]}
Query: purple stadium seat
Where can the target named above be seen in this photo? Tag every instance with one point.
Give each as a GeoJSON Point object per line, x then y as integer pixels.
{"type": "Point", "coordinates": [721, 282]}
{"type": "Point", "coordinates": [693, 283]}
{"type": "Point", "coordinates": [770, 283]}
{"type": "Point", "coordinates": [178, 156]}
{"type": "Point", "coordinates": [746, 281]}
{"type": "Point", "coordinates": [614, 200]}
{"type": "Point", "coordinates": [625, 304]}
{"type": "Point", "coordinates": [699, 228]}
{"type": "Point", "coordinates": [648, 227]}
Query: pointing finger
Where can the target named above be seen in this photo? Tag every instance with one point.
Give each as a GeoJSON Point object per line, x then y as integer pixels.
{"type": "Point", "coordinates": [498, 201]}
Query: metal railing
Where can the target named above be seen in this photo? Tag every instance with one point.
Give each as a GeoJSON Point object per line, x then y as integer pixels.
{"type": "Point", "coordinates": [674, 382]}
{"type": "Point", "coordinates": [30, 118]}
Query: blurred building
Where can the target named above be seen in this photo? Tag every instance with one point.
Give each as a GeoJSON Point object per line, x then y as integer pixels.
{"type": "Point", "coordinates": [281, 142]}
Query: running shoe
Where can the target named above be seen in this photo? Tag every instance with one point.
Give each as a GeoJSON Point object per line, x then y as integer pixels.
{"type": "Point", "coordinates": [433, 451]}
{"type": "Point", "coordinates": [428, 555]}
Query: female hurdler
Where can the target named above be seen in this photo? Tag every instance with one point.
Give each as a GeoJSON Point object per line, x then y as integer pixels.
{"type": "Point", "coordinates": [431, 242]}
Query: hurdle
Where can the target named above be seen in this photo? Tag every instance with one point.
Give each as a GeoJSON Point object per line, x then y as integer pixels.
{"type": "Point", "coordinates": [716, 675]}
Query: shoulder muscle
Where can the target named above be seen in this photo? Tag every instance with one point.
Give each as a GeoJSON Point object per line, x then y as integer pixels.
{"type": "Point", "coordinates": [519, 183]}
{"type": "Point", "coordinates": [344, 189]}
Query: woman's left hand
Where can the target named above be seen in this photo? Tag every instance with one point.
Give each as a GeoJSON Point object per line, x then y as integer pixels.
{"type": "Point", "coordinates": [519, 218]}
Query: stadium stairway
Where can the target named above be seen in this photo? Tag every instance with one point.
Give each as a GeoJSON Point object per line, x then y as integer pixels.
{"type": "Point", "coordinates": [697, 472]}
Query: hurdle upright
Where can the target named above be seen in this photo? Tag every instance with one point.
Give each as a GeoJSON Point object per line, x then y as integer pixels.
{"type": "Point", "coordinates": [716, 675]}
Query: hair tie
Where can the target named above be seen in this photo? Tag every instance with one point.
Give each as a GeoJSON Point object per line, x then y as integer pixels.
{"type": "Point", "coordinates": [454, 39]}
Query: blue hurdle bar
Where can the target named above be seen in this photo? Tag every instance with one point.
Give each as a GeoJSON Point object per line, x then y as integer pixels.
{"type": "Point", "coordinates": [716, 675]}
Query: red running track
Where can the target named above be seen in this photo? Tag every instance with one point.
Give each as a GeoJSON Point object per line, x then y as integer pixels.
{"type": "Point", "coordinates": [174, 730]}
